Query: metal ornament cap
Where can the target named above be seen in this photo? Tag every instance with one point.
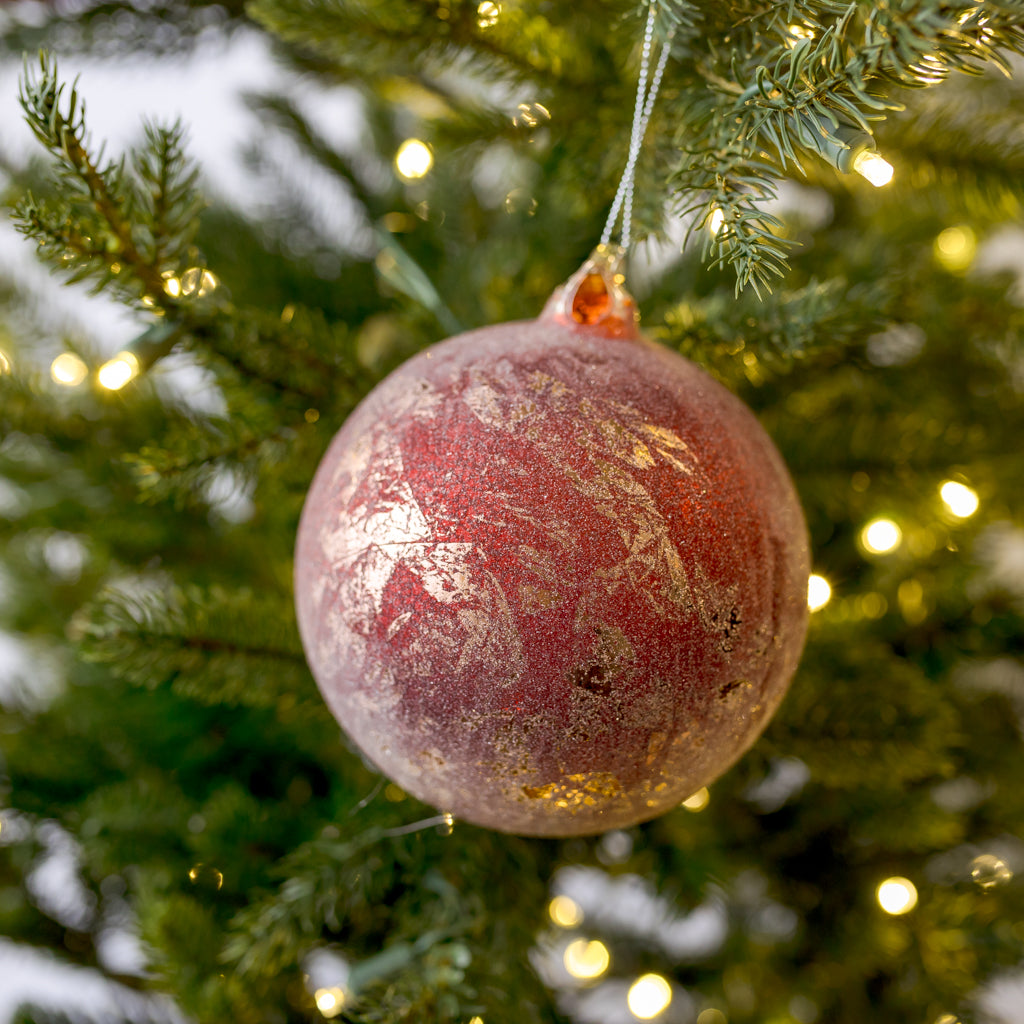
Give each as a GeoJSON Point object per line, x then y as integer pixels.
{"type": "Point", "coordinates": [595, 297]}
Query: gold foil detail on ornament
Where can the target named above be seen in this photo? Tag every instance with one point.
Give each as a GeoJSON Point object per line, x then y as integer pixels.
{"type": "Point", "coordinates": [577, 791]}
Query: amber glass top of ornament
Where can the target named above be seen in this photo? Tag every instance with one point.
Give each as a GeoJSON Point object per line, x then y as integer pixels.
{"type": "Point", "coordinates": [595, 299]}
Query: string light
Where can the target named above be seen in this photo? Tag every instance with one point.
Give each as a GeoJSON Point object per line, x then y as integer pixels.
{"type": "Point", "coordinates": [956, 247]}
{"type": "Point", "coordinates": [5, 363]}
{"type": "Point", "coordinates": [529, 115]}
{"type": "Point", "coordinates": [197, 282]}
{"type": "Point", "coordinates": [487, 14]}
{"type": "Point", "coordinates": [413, 160]}
{"type": "Point", "coordinates": [698, 801]}
{"type": "Point", "coordinates": [716, 221]}
{"type": "Point", "coordinates": [881, 536]}
{"type": "Point", "coordinates": [897, 896]}
{"type": "Point", "coordinates": [115, 373]}
{"type": "Point", "coordinates": [207, 875]}
{"type": "Point", "coordinates": [172, 284]}
{"type": "Point", "coordinates": [68, 369]}
{"type": "Point", "coordinates": [988, 871]}
{"type": "Point", "coordinates": [329, 1001]}
{"type": "Point", "coordinates": [648, 996]}
{"type": "Point", "coordinates": [959, 498]}
{"type": "Point", "coordinates": [565, 912]}
{"type": "Point", "coordinates": [874, 167]}
{"type": "Point", "coordinates": [586, 960]}
{"type": "Point", "coordinates": [819, 592]}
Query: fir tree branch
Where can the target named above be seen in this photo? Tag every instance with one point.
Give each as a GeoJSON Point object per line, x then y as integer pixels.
{"type": "Point", "coordinates": [201, 643]}
{"type": "Point", "coordinates": [60, 127]}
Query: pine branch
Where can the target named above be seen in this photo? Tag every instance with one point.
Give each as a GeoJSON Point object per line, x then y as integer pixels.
{"type": "Point", "coordinates": [203, 643]}
{"type": "Point", "coordinates": [817, 324]}
{"type": "Point", "coordinates": [389, 38]}
{"type": "Point", "coordinates": [102, 198]}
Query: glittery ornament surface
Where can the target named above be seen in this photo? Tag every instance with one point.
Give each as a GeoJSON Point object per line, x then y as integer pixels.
{"type": "Point", "coordinates": [551, 580]}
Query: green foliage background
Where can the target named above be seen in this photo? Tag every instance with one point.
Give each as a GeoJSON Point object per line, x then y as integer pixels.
{"type": "Point", "coordinates": [187, 749]}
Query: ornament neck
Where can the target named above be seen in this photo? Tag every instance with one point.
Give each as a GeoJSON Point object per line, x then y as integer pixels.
{"type": "Point", "coordinates": [594, 300]}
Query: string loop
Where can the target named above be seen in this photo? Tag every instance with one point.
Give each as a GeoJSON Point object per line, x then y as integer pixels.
{"type": "Point", "coordinates": [645, 97]}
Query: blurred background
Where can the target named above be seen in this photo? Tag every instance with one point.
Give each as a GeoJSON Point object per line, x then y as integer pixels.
{"type": "Point", "coordinates": [185, 834]}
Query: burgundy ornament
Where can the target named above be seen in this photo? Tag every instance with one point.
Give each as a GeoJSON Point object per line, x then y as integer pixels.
{"type": "Point", "coordinates": [551, 577]}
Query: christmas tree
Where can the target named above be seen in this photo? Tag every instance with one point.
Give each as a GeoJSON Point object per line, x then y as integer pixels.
{"type": "Point", "coordinates": [827, 205]}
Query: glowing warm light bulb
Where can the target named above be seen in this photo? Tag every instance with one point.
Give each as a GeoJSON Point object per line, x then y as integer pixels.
{"type": "Point", "coordinates": [68, 369]}
{"type": "Point", "coordinates": [565, 912]}
{"type": "Point", "coordinates": [819, 592]}
{"type": "Point", "coordinates": [800, 32]}
{"type": "Point", "coordinates": [413, 160]}
{"type": "Point", "coordinates": [329, 1001]}
{"type": "Point", "coordinates": [988, 870]}
{"type": "Point", "coordinates": [116, 372]}
{"type": "Point", "coordinates": [172, 284]}
{"type": "Point", "coordinates": [897, 896]}
{"type": "Point", "coordinates": [585, 959]}
{"type": "Point", "coordinates": [197, 282]}
{"type": "Point", "coordinates": [648, 996]}
{"type": "Point", "coordinates": [955, 247]}
{"type": "Point", "coordinates": [487, 14]}
{"type": "Point", "coordinates": [874, 167]}
{"type": "Point", "coordinates": [959, 499]}
{"type": "Point", "coordinates": [881, 536]}
{"type": "Point", "coordinates": [698, 801]}
{"type": "Point", "coordinates": [5, 362]}
{"type": "Point", "coordinates": [715, 221]}
{"type": "Point", "coordinates": [529, 115]}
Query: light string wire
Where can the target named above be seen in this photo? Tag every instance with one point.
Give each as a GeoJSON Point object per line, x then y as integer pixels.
{"type": "Point", "coordinates": [642, 109]}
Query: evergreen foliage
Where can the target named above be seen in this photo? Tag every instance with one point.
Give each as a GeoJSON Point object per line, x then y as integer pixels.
{"type": "Point", "coordinates": [165, 718]}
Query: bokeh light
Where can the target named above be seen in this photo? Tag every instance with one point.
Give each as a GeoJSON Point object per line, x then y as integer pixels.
{"type": "Point", "coordinates": [530, 115]}
{"type": "Point", "coordinates": [712, 1016]}
{"type": "Point", "coordinates": [586, 960]}
{"type": "Point", "coordinates": [487, 14]}
{"type": "Point", "coordinates": [648, 996]}
{"type": "Point", "coordinates": [565, 912]}
{"type": "Point", "coordinates": [5, 362]}
{"type": "Point", "coordinates": [874, 167]}
{"type": "Point", "coordinates": [988, 871]}
{"type": "Point", "coordinates": [959, 499]}
{"type": "Point", "coordinates": [68, 369]}
{"type": "Point", "coordinates": [329, 1001]}
{"type": "Point", "coordinates": [819, 592]}
{"type": "Point", "coordinates": [413, 160]}
{"type": "Point", "coordinates": [881, 536]}
{"type": "Point", "coordinates": [206, 876]}
{"type": "Point", "coordinates": [897, 895]}
{"type": "Point", "coordinates": [172, 284]}
{"type": "Point", "coordinates": [956, 247]}
{"type": "Point", "coordinates": [196, 283]}
{"type": "Point", "coordinates": [698, 801]}
{"type": "Point", "coordinates": [115, 373]}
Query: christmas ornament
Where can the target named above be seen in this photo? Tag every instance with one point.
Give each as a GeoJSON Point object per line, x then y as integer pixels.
{"type": "Point", "coordinates": [550, 576]}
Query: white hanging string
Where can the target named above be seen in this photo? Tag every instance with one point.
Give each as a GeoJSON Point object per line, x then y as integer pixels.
{"type": "Point", "coordinates": [645, 98]}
